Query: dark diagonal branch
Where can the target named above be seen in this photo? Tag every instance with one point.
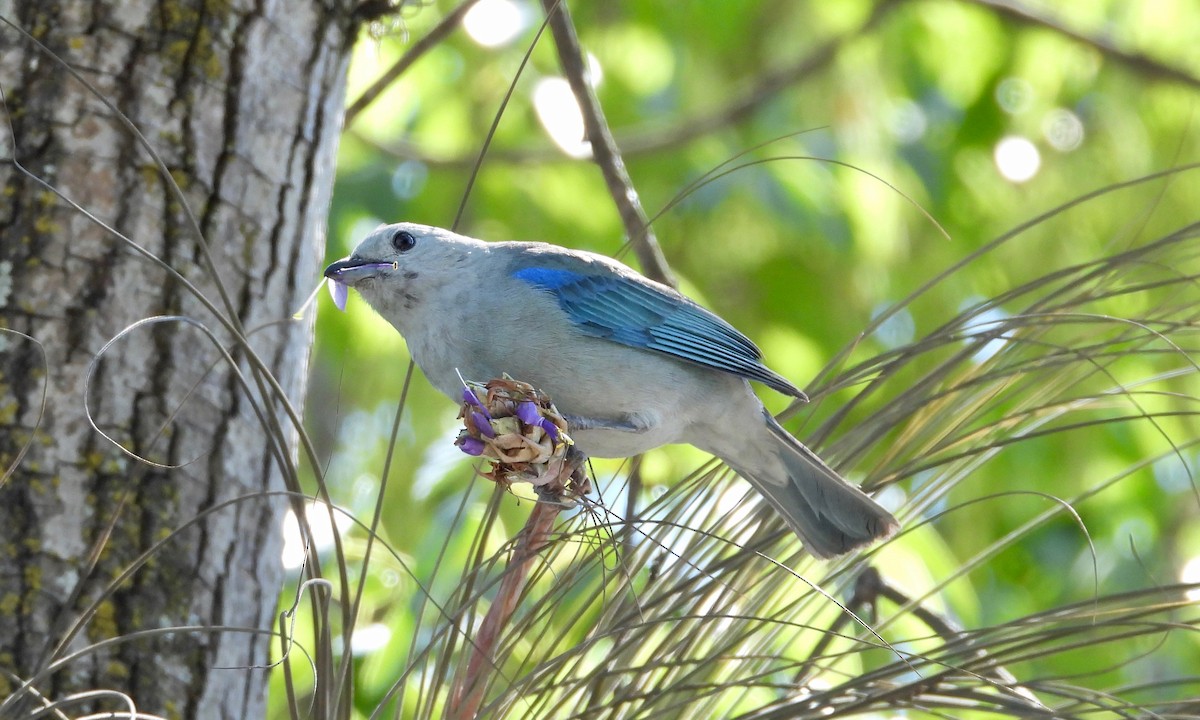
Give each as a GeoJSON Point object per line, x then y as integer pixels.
{"type": "Point", "coordinates": [763, 88]}
{"type": "Point", "coordinates": [419, 48]}
{"type": "Point", "coordinates": [766, 86]}
{"type": "Point", "coordinates": [604, 148]}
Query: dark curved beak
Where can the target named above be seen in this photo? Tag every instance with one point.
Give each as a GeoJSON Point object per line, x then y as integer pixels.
{"type": "Point", "coordinates": [351, 270]}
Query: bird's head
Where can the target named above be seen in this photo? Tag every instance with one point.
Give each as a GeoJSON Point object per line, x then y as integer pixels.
{"type": "Point", "coordinates": [397, 267]}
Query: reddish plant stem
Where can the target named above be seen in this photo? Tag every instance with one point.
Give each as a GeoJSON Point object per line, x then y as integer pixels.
{"type": "Point", "coordinates": [468, 691]}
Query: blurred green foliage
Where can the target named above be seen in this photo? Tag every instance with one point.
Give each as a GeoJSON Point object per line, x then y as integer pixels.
{"type": "Point", "coordinates": [868, 171]}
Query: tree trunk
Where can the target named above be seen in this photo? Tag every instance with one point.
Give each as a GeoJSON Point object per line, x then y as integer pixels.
{"type": "Point", "coordinates": [242, 100]}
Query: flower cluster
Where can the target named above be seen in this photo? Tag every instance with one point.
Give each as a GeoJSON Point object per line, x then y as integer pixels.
{"type": "Point", "coordinates": [519, 429]}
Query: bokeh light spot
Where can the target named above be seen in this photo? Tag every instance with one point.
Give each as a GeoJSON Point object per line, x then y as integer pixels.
{"type": "Point", "coordinates": [323, 531]}
{"type": "Point", "coordinates": [1190, 575]}
{"type": "Point", "coordinates": [560, 116]}
{"type": "Point", "coordinates": [1014, 95]}
{"type": "Point", "coordinates": [369, 638]}
{"type": "Point", "coordinates": [1063, 130]}
{"type": "Point", "coordinates": [1017, 159]}
{"type": "Point", "coordinates": [409, 179]}
{"type": "Point", "coordinates": [493, 23]}
{"type": "Point", "coordinates": [907, 121]}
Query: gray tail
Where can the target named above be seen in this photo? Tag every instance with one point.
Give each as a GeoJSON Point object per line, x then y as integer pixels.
{"type": "Point", "coordinates": [831, 516]}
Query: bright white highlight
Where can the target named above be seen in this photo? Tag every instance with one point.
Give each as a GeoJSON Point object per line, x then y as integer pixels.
{"type": "Point", "coordinates": [732, 506]}
{"type": "Point", "coordinates": [595, 73]}
{"type": "Point", "coordinates": [493, 23]}
{"type": "Point", "coordinates": [1017, 159]}
{"type": "Point", "coordinates": [369, 638]}
{"type": "Point", "coordinates": [322, 531]}
{"type": "Point", "coordinates": [1190, 574]}
{"type": "Point", "coordinates": [986, 322]}
{"type": "Point", "coordinates": [560, 115]}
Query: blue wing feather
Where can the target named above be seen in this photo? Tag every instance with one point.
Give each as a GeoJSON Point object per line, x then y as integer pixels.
{"type": "Point", "coordinates": [633, 312]}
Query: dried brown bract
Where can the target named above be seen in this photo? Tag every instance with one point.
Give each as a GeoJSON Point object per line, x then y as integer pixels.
{"type": "Point", "coordinates": [518, 428]}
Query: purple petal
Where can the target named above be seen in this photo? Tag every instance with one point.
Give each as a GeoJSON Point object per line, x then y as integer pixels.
{"type": "Point", "coordinates": [338, 291]}
{"type": "Point", "coordinates": [550, 428]}
{"type": "Point", "coordinates": [483, 424]}
{"type": "Point", "coordinates": [471, 398]}
{"type": "Point", "coordinates": [528, 413]}
{"type": "Point", "coordinates": [470, 445]}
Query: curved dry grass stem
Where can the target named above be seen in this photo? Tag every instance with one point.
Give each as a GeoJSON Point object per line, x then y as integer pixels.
{"type": "Point", "coordinates": [697, 619]}
{"type": "Point", "coordinates": [697, 608]}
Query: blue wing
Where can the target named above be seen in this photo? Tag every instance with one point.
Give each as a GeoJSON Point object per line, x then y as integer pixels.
{"type": "Point", "coordinates": [637, 313]}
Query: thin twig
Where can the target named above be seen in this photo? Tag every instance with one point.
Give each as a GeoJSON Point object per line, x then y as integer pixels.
{"type": "Point", "coordinates": [632, 495]}
{"type": "Point", "coordinates": [866, 594]}
{"type": "Point", "coordinates": [869, 588]}
{"type": "Point", "coordinates": [491, 133]}
{"type": "Point", "coordinates": [608, 156]}
{"type": "Point", "coordinates": [419, 48]}
{"type": "Point", "coordinates": [766, 86]}
{"type": "Point", "coordinates": [469, 687]}
{"type": "Point", "coordinates": [604, 149]}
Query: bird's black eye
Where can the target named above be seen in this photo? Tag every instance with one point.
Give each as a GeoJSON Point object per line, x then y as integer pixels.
{"type": "Point", "coordinates": [403, 241]}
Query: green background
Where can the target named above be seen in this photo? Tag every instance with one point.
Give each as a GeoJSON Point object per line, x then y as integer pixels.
{"type": "Point", "coordinates": [882, 175]}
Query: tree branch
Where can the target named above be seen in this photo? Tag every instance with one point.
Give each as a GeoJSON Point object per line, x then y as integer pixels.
{"type": "Point", "coordinates": [651, 140]}
{"type": "Point", "coordinates": [604, 149]}
{"type": "Point", "coordinates": [645, 141]}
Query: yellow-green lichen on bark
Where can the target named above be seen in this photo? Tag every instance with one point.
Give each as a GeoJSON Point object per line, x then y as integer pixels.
{"type": "Point", "coordinates": [104, 621]}
{"type": "Point", "coordinates": [10, 602]}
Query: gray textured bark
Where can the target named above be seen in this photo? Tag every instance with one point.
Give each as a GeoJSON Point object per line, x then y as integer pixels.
{"type": "Point", "coordinates": [242, 99]}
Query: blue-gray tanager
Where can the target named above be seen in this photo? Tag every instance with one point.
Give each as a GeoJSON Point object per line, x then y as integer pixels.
{"type": "Point", "coordinates": [630, 363]}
